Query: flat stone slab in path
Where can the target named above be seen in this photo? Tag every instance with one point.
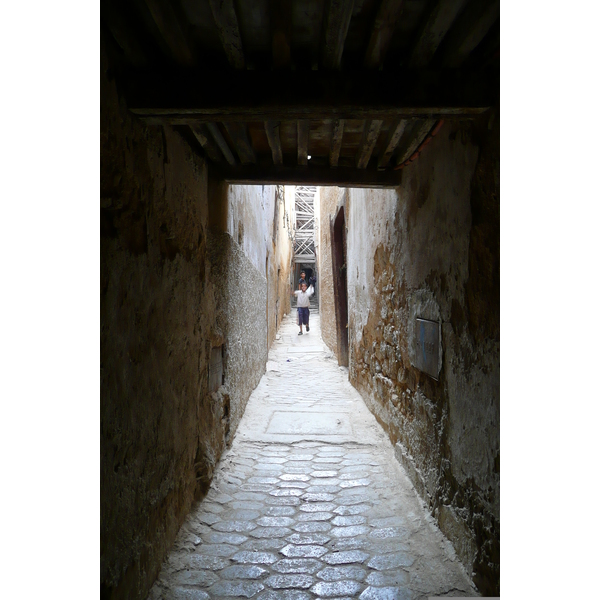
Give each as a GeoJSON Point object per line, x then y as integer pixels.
{"type": "Point", "coordinates": [320, 423]}
{"type": "Point", "coordinates": [309, 502]}
{"type": "Point", "coordinates": [302, 349]}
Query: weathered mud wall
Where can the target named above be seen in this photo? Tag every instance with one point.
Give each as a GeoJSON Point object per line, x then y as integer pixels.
{"type": "Point", "coordinates": [329, 199]}
{"type": "Point", "coordinates": [241, 297]}
{"type": "Point", "coordinates": [248, 261]}
{"type": "Point", "coordinates": [157, 311]}
{"type": "Point", "coordinates": [431, 249]}
{"type": "Point", "coordinates": [183, 339]}
{"type": "Point", "coordinates": [279, 290]}
{"type": "Point", "coordinates": [250, 221]}
{"type": "Point", "coordinates": [255, 218]}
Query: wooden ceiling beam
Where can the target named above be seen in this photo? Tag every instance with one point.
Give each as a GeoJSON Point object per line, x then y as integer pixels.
{"type": "Point", "coordinates": [265, 96]}
{"type": "Point", "coordinates": [227, 24]}
{"type": "Point", "coordinates": [238, 132]}
{"type": "Point", "coordinates": [369, 139]}
{"type": "Point", "coordinates": [272, 131]}
{"type": "Point", "coordinates": [470, 29]}
{"type": "Point", "coordinates": [171, 30]}
{"type": "Point", "coordinates": [220, 140]}
{"type": "Point", "coordinates": [158, 117]}
{"type": "Point", "coordinates": [382, 32]}
{"type": "Point", "coordinates": [303, 133]}
{"type": "Point", "coordinates": [207, 142]}
{"type": "Point", "coordinates": [437, 23]}
{"type": "Point", "coordinates": [414, 137]}
{"type": "Point", "coordinates": [392, 141]}
{"type": "Point", "coordinates": [311, 175]}
{"type": "Point", "coordinates": [337, 134]}
{"type": "Point", "coordinates": [336, 23]}
{"type": "Point", "coordinates": [281, 32]}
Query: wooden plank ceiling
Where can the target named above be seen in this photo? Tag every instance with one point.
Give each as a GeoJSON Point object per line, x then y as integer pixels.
{"type": "Point", "coordinates": [338, 92]}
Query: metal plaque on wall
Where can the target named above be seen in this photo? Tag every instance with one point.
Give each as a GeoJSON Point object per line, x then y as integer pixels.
{"type": "Point", "coordinates": [428, 346]}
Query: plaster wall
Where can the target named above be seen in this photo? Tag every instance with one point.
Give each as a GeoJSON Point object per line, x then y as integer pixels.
{"type": "Point", "coordinates": [330, 199]}
{"type": "Point", "coordinates": [256, 221]}
{"type": "Point", "coordinates": [173, 300]}
{"type": "Point", "coordinates": [316, 239]}
{"type": "Point", "coordinates": [279, 298]}
{"type": "Point", "coordinates": [240, 321]}
{"type": "Point", "coordinates": [250, 220]}
{"type": "Point", "coordinates": [430, 249]}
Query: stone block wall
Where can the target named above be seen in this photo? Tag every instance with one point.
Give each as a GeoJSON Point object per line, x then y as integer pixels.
{"type": "Point", "coordinates": [153, 280]}
{"type": "Point", "coordinates": [431, 249]}
{"type": "Point", "coordinates": [183, 339]}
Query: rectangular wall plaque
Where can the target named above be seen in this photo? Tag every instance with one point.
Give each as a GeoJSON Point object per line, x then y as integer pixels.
{"type": "Point", "coordinates": [427, 346]}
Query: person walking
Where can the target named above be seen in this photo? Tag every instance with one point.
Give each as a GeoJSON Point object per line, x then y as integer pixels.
{"type": "Point", "coordinates": [302, 280]}
{"type": "Point", "coordinates": [312, 281]}
{"type": "Point", "coordinates": [303, 302]}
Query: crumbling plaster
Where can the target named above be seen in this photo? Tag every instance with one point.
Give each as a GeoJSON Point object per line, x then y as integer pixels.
{"type": "Point", "coordinates": [283, 256]}
{"type": "Point", "coordinates": [250, 220]}
{"type": "Point", "coordinates": [329, 200]}
{"type": "Point", "coordinates": [174, 285]}
{"type": "Point", "coordinates": [255, 218]}
{"type": "Point", "coordinates": [240, 293]}
{"type": "Point", "coordinates": [430, 249]}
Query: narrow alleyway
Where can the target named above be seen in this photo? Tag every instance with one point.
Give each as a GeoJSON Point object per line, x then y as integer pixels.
{"type": "Point", "coordinates": [309, 502]}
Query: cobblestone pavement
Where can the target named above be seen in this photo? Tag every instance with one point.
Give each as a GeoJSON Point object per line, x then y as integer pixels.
{"type": "Point", "coordinates": [309, 502]}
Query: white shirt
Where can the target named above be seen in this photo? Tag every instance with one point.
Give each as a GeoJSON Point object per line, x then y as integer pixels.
{"type": "Point", "coordinates": [304, 297]}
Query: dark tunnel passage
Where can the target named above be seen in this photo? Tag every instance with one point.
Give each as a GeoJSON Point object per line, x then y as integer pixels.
{"type": "Point", "coordinates": [199, 173]}
{"type": "Point", "coordinates": [188, 318]}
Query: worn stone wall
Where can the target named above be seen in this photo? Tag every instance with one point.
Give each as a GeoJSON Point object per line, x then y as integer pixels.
{"type": "Point", "coordinates": [329, 200]}
{"type": "Point", "coordinates": [249, 252]}
{"type": "Point", "coordinates": [430, 249]}
{"type": "Point", "coordinates": [279, 298]}
{"type": "Point", "coordinates": [157, 311]}
{"type": "Point", "coordinates": [250, 221]}
{"type": "Point", "coordinates": [241, 299]}
{"type": "Point", "coordinates": [255, 219]}
{"type": "Point", "coordinates": [281, 259]}
{"type": "Point", "coordinates": [173, 299]}
{"type": "Point", "coordinates": [250, 224]}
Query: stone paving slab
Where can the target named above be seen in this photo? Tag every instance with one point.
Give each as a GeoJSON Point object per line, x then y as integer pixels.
{"type": "Point", "coordinates": [312, 513]}
{"type": "Point", "coordinates": [309, 423]}
{"type": "Point", "coordinates": [300, 349]}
